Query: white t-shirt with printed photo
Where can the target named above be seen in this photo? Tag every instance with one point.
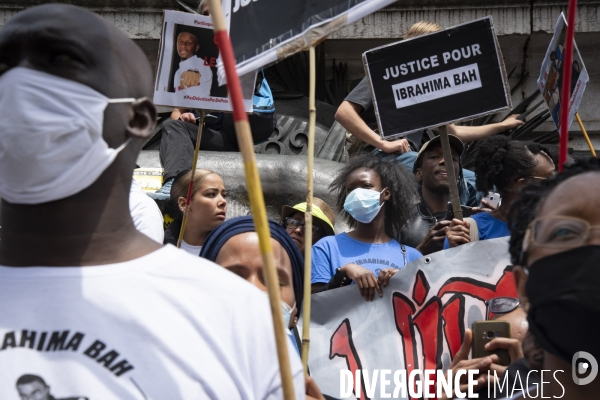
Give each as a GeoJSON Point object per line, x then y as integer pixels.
{"type": "Point", "coordinates": [164, 326]}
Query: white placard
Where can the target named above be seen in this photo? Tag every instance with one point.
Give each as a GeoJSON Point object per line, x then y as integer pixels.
{"type": "Point", "coordinates": [187, 66]}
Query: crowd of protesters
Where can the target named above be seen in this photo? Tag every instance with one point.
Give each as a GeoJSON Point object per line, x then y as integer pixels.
{"type": "Point", "coordinates": [85, 278]}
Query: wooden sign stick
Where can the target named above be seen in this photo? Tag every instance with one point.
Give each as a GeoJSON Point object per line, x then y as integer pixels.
{"type": "Point", "coordinates": [312, 116]}
{"type": "Point", "coordinates": [255, 193]}
{"type": "Point", "coordinates": [454, 197]}
{"type": "Point", "coordinates": [191, 185]}
{"type": "Point", "coordinates": [585, 135]}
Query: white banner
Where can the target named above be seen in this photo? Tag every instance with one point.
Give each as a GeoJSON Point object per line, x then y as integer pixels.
{"type": "Point", "coordinates": [418, 324]}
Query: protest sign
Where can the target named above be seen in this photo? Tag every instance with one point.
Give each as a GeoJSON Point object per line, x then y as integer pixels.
{"type": "Point", "coordinates": [187, 66]}
{"type": "Point", "coordinates": [436, 79]}
{"type": "Point", "coordinates": [149, 179]}
{"type": "Point", "coordinates": [265, 31]}
{"type": "Point", "coordinates": [550, 79]}
{"type": "Point", "coordinates": [418, 324]}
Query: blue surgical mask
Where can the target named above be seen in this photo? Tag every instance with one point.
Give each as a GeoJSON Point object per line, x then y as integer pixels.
{"type": "Point", "coordinates": [287, 311]}
{"type": "Point", "coordinates": [363, 204]}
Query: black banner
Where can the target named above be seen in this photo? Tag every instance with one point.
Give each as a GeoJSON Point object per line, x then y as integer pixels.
{"type": "Point", "coordinates": [264, 31]}
{"type": "Point", "coordinates": [436, 79]}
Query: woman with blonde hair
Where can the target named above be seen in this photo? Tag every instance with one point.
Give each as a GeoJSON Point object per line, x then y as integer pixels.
{"type": "Point", "coordinates": [207, 209]}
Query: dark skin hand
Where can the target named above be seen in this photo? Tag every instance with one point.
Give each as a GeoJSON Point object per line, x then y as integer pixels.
{"type": "Point", "coordinates": [364, 279]}
{"type": "Point", "coordinates": [458, 233]}
{"type": "Point", "coordinates": [434, 240]}
{"type": "Point", "coordinates": [94, 226]}
{"type": "Point", "coordinates": [461, 361]}
{"type": "Point", "coordinates": [384, 276]}
{"type": "Point", "coordinates": [488, 207]}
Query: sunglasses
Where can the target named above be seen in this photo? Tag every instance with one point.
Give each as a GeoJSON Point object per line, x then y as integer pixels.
{"type": "Point", "coordinates": [500, 305]}
{"type": "Point", "coordinates": [292, 224]}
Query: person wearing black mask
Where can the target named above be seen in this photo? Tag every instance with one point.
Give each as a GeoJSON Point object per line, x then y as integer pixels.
{"type": "Point", "coordinates": [555, 245]}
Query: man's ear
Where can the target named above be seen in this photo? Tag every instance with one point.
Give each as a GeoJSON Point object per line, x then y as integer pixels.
{"type": "Point", "coordinates": [419, 175]}
{"type": "Point", "coordinates": [520, 282]}
{"type": "Point", "coordinates": [142, 121]}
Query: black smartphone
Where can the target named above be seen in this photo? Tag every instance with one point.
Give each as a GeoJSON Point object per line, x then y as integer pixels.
{"type": "Point", "coordinates": [467, 212]}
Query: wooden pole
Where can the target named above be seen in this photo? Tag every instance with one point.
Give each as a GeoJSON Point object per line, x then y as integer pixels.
{"type": "Point", "coordinates": [585, 135]}
{"type": "Point", "coordinates": [312, 116]}
{"type": "Point", "coordinates": [257, 205]}
{"type": "Point", "coordinates": [566, 85]}
{"type": "Point", "coordinates": [454, 197]}
{"type": "Point", "coordinates": [191, 185]}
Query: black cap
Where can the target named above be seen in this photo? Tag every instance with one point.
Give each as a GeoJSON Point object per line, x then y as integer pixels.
{"type": "Point", "coordinates": [455, 142]}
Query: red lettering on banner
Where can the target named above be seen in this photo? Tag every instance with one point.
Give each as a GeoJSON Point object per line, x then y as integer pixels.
{"type": "Point", "coordinates": [434, 321]}
{"type": "Point", "coordinates": [483, 291]}
{"type": "Point", "coordinates": [403, 311]}
{"type": "Point", "coordinates": [428, 323]}
{"type": "Point", "coordinates": [421, 288]}
{"type": "Point", "coordinates": [453, 313]}
{"type": "Point", "coordinates": [343, 346]}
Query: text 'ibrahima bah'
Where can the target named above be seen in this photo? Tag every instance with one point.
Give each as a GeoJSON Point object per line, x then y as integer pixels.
{"type": "Point", "coordinates": [439, 85]}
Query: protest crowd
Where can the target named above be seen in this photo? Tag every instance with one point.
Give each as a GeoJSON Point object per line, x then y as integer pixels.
{"type": "Point", "coordinates": [97, 298]}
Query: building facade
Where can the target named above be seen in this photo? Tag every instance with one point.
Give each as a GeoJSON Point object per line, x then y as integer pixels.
{"type": "Point", "coordinates": [524, 30]}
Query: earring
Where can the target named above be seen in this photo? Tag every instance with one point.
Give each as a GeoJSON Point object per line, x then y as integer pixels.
{"type": "Point", "coordinates": [526, 306]}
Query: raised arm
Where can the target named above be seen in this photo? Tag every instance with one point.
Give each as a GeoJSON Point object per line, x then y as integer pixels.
{"type": "Point", "coordinates": [348, 116]}
{"type": "Point", "coordinates": [473, 133]}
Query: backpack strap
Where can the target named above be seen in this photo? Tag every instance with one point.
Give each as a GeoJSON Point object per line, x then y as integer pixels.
{"type": "Point", "coordinates": [473, 229]}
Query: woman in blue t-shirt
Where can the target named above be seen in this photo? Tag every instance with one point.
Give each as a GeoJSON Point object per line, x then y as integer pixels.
{"type": "Point", "coordinates": [377, 198]}
{"type": "Point", "coordinates": [506, 165]}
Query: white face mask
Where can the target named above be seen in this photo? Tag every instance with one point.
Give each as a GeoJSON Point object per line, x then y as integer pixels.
{"type": "Point", "coordinates": [51, 143]}
{"type": "Point", "coordinates": [287, 313]}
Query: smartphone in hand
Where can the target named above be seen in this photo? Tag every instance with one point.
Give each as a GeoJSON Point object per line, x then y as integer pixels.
{"type": "Point", "coordinates": [492, 198]}
{"type": "Point", "coordinates": [483, 333]}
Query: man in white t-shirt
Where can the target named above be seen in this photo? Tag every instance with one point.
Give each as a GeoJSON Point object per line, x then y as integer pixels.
{"type": "Point", "coordinates": [193, 76]}
{"type": "Point", "coordinates": [145, 214]}
{"type": "Point", "coordinates": [86, 301]}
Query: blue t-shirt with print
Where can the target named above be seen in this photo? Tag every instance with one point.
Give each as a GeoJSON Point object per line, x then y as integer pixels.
{"type": "Point", "coordinates": [489, 227]}
{"type": "Point", "coordinates": [333, 252]}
